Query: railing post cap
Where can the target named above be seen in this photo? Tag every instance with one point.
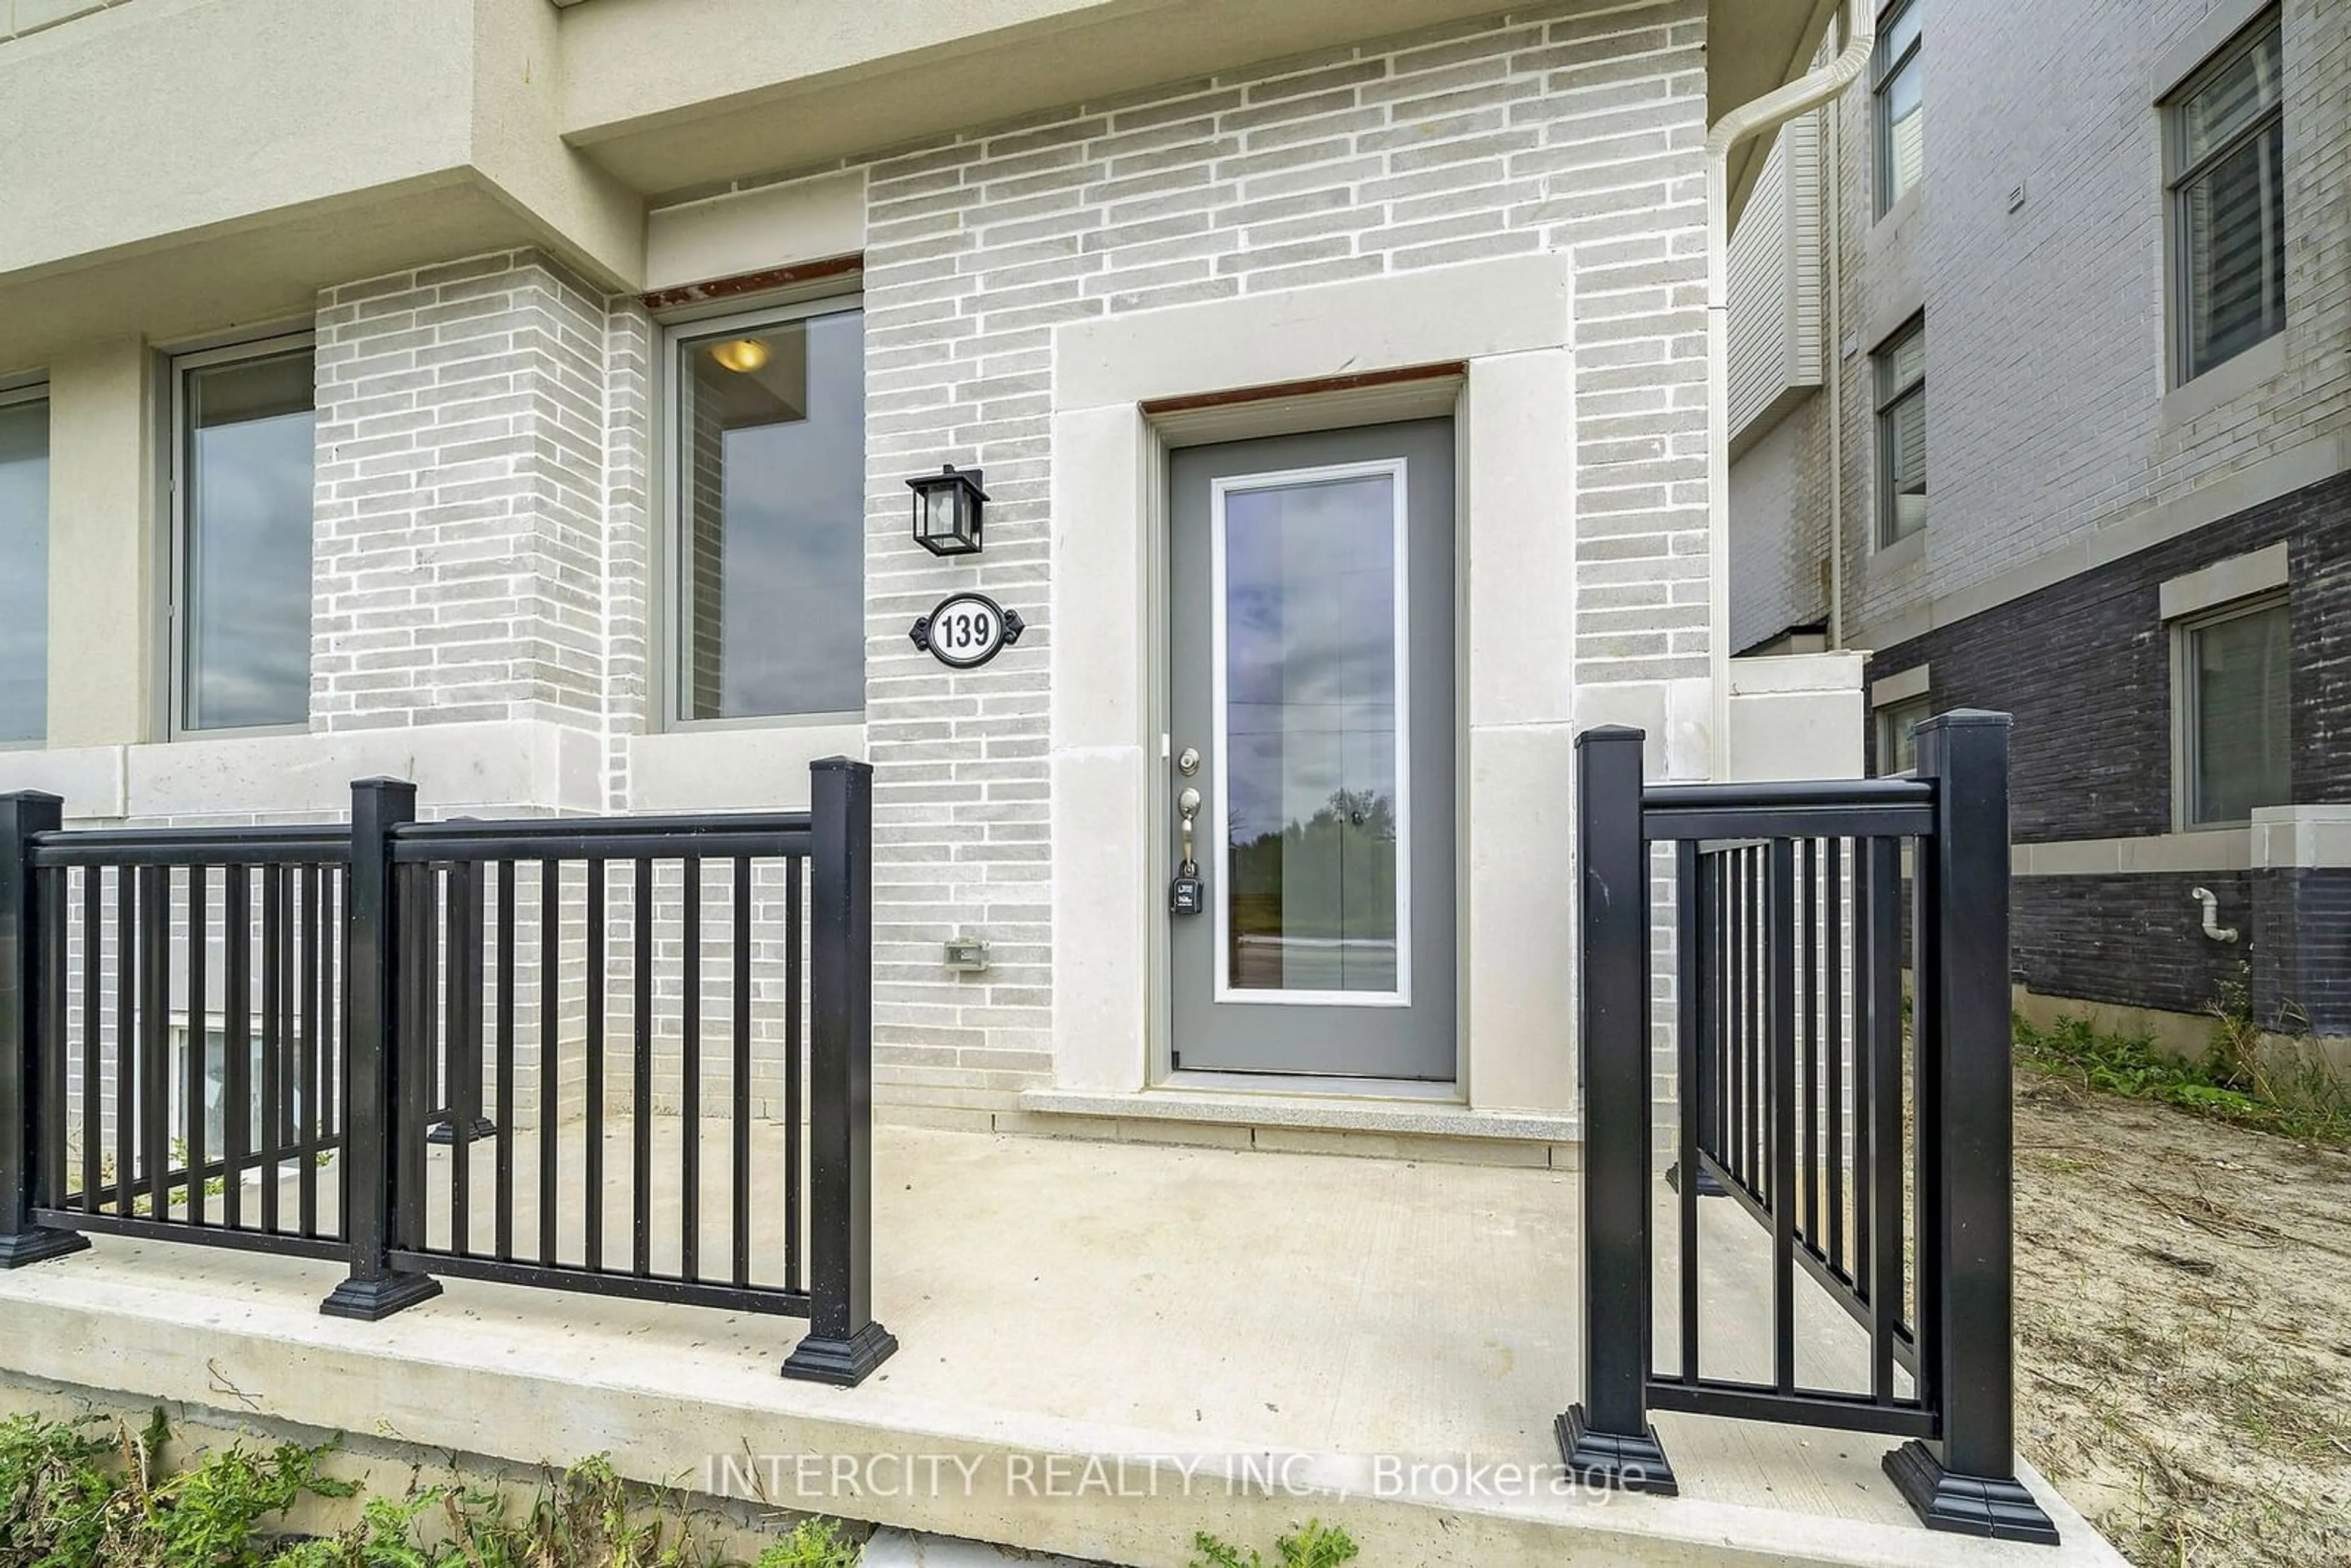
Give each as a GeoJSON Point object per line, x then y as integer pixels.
{"type": "Point", "coordinates": [840, 765]}
{"type": "Point", "coordinates": [384, 783]}
{"type": "Point", "coordinates": [1612, 732]}
{"type": "Point", "coordinates": [30, 798]}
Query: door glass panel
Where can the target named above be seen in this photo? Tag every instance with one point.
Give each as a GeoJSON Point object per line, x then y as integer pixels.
{"type": "Point", "coordinates": [1312, 712]}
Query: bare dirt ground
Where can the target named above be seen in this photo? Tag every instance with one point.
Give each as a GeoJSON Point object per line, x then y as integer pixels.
{"type": "Point", "coordinates": [2184, 1321]}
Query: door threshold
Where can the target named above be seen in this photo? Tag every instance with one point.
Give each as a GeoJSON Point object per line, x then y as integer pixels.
{"type": "Point", "coordinates": [1328, 1085]}
{"type": "Point", "coordinates": [1347, 1105]}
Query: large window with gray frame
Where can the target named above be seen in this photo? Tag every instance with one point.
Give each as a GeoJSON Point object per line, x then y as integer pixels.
{"type": "Point", "coordinates": [2225, 150]}
{"type": "Point", "coordinates": [244, 421]}
{"type": "Point", "coordinates": [24, 566]}
{"type": "Point", "coordinates": [1898, 93]}
{"type": "Point", "coordinates": [767, 546]}
{"type": "Point", "coordinates": [1900, 371]}
{"type": "Point", "coordinates": [2232, 713]}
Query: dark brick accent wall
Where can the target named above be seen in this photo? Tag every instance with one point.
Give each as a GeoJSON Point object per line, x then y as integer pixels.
{"type": "Point", "coordinates": [2137, 940]}
{"type": "Point", "coordinates": [2084, 666]}
{"type": "Point", "coordinates": [2301, 949]}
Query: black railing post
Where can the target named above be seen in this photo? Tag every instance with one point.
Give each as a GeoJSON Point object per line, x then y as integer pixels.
{"type": "Point", "coordinates": [843, 1342]}
{"type": "Point", "coordinates": [370, 1137]}
{"type": "Point", "coordinates": [1607, 1439]}
{"type": "Point", "coordinates": [1965, 1480]}
{"type": "Point", "coordinates": [23, 1032]}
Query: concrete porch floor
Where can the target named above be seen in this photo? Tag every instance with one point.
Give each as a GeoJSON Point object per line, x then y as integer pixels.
{"type": "Point", "coordinates": [1262, 1337]}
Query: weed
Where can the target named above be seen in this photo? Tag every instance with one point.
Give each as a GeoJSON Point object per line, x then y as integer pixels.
{"type": "Point", "coordinates": [2237, 1080]}
{"type": "Point", "coordinates": [94, 1493]}
{"type": "Point", "coordinates": [1312, 1545]}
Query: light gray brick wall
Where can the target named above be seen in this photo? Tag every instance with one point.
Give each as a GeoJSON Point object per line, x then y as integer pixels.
{"type": "Point", "coordinates": [2045, 326]}
{"type": "Point", "coordinates": [1539, 131]}
{"type": "Point", "coordinates": [488, 530]}
{"type": "Point", "coordinates": [631, 346]}
{"type": "Point", "coordinates": [460, 564]}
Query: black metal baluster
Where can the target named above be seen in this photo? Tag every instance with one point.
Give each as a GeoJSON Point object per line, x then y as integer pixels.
{"type": "Point", "coordinates": [504, 1238]}
{"type": "Point", "coordinates": [1832, 962]}
{"type": "Point", "coordinates": [306, 1094]}
{"type": "Point", "coordinates": [690, 1047]}
{"type": "Point", "coordinates": [550, 1075]}
{"type": "Point", "coordinates": [641, 1086]}
{"type": "Point", "coordinates": [796, 1066]}
{"type": "Point", "coordinates": [1881, 1213]}
{"type": "Point", "coordinates": [595, 1088]}
{"type": "Point", "coordinates": [1734, 990]}
{"type": "Point", "coordinates": [1781, 941]}
{"type": "Point", "coordinates": [236, 1039]}
{"type": "Point", "coordinates": [93, 1012]}
{"type": "Point", "coordinates": [463, 1012]}
{"type": "Point", "coordinates": [1693, 935]}
{"type": "Point", "coordinates": [154, 1037]}
{"type": "Point", "coordinates": [1808, 991]}
{"type": "Point", "coordinates": [1727, 1042]}
{"type": "Point", "coordinates": [273, 1039]}
{"type": "Point", "coordinates": [54, 894]}
{"type": "Point", "coordinates": [200, 1048]}
{"type": "Point", "coordinates": [333, 1074]}
{"type": "Point", "coordinates": [127, 970]}
{"type": "Point", "coordinates": [418, 1043]}
{"type": "Point", "coordinates": [740, 1126]}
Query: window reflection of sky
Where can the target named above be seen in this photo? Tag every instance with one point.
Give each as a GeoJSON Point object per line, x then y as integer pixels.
{"type": "Point", "coordinates": [793, 542]}
{"type": "Point", "coordinates": [23, 570]}
{"type": "Point", "coordinates": [249, 566]}
{"type": "Point", "coordinates": [1310, 655]}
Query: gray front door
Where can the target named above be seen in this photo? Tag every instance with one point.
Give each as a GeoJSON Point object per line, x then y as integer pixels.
{"type": "Point", "coordinates": [1311, 670]}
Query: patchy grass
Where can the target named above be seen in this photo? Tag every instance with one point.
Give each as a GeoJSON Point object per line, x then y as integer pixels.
{"type": "Point", "coordinates": [2184, 1362]}
{"type": "Point", "coordinates": [2245, 1078]}
{"type": "Point", "coordinates": [96, 1493]}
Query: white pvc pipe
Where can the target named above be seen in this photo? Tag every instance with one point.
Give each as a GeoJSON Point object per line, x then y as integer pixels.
{"type": "Point", "coordinates": [1768, 113]}
{"type": "Point", "coordinates": [2212, 927]}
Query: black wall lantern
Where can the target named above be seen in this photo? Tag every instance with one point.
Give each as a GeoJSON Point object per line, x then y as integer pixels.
{"type": "Point", "coordinates": [947, 510]}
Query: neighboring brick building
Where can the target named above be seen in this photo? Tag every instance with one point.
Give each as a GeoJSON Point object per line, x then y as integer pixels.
{"type": "Point", "coordinates": [483, 320]}
{"type": "Point", "coordinates": [2125, 248]}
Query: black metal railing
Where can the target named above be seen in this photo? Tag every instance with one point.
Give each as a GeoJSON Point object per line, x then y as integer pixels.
{"type": "Point", "coordinates": [1871, 1149]}
{"type": "Point", "coordinates": [629, 1056]}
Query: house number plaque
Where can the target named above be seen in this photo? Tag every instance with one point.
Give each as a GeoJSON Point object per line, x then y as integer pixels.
{"type": "Point", "coordinates": [965, 631]}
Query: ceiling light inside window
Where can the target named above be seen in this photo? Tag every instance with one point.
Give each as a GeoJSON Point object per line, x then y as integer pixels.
{"type": "Point", "coordinates": [743, 354]}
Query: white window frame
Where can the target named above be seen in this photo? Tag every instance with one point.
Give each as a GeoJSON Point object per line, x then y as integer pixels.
{"type": "Point", "coordinates": [1883, 70]}
{"type": "Point", "coordinates": [1888, 719]}
{"type": "Point", "coordinates": [16, 397]}
{"type": "Point", "coordinates": [2185, 710]}
{"type": "Point", "coordinates": [1882, 405]}
{"type": "Point", "coordinates": [175, 655]}
{"type": "Point", "coordinates": [2177, 178]}
{"type": "Point", "coordinates": [669, 576]}
{"type": "Point", "coordinates": [1222, 490]}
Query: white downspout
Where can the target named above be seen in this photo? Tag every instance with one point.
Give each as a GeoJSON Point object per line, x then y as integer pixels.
{"type": "Point", "coordinates": [1833, 376]}
{"type": "Point", "coordinates": [1766, 113]}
